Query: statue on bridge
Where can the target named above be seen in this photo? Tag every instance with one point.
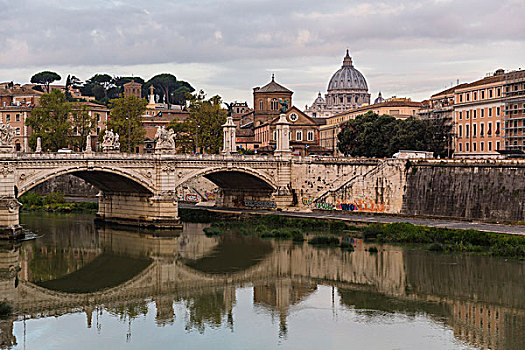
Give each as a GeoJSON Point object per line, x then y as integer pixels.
{"type": "Point", "coordinates": [6, 138]}
{"type": "Point", "coordinates": [110, 142]}
{"type": "Point", "coordinates": [164, 140]}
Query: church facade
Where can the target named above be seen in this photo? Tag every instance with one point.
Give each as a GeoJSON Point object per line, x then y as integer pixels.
{"type": "Point", "coordinates": [347, 90]}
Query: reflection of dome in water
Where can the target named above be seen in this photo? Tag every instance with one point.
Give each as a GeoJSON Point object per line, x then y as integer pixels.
{"type": "Point", "coordinates": [347, 77]}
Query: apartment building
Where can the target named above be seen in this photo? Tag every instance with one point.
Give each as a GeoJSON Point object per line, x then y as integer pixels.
{"type": "Point", "coordinates": [514, 111]}
{"type": "Point", "coordinates": [479, 116]}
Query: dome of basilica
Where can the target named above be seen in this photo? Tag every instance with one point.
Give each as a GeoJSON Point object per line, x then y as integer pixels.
{"type": "Point", "coordinates": [347, 78]}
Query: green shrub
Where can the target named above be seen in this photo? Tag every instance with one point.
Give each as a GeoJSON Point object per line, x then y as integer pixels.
{"type": "Point", "coordinates": [337, 226]}
{"type": "Point", "coordinates": [212, 231]}
{"type": "Point", "coordinates": [372, 249]}
{"type": "Point", "coordinates": [436, 247]}
{"type": "Point", "coordinates": [54, 198]}
{"type": "Point", "coordinates": [5, 309]}
{"type": "Point", "coordinates": [297, 235]}
{"type": "Point", "coordinates": [324, 240]}
{"type": "Point", "coordinates": [31, 199]}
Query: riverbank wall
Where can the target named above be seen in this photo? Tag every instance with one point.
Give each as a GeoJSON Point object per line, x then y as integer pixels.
{"type": "Point", "coordinates": [485, 190]}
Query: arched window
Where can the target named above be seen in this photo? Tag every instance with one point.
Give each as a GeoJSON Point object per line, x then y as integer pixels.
{"type": "Point", "coordinates": [261, 104]}
{"type": "Point", "coordinates": [275, 104]}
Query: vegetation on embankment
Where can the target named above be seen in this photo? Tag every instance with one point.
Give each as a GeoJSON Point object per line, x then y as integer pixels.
{"type": "Point", "coordinates": [323, 232]}
{"type": "Point", "coordinates": [442, 239]}
{"type": "Point", "coordinates": [54, 202]}
{"type": "Point", "coordinates": [284, 228]}
{"type": "Point", "coordinates": [5, 309]}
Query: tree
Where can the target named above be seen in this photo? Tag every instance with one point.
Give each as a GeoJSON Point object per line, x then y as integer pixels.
{"type": "Point", "coordinates": [203, 127]}
{"type": "Point", "coordinates": [50, 121]}
{"type": "Point", "coordinates": [166, 83]}
{"type": "Point", "coordinates": [82, 124]}
{"type": "Point", "coordinates": [371, 135]}
{"type": "Point", "coordinates": [72, 82]}
{"type": "Point", "coordinates": [126, 120]}
{"type": "Point", "coordinates": [45, 78]}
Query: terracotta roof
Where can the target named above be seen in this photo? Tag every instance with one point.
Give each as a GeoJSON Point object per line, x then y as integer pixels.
{"type": "Point", "coordinates": [378, 105]}
{"type": "Point", "coordinates": [273, 87]}
{"type": "Point", "coordinates": [488, 80]}
{"type": "Point", "coordinates": [449, 90]}
{"type": "Point", "coordinates": [19, 91]}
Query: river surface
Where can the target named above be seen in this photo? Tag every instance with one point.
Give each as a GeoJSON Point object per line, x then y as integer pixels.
{"type": "Point", "coordinates": [83, 287]}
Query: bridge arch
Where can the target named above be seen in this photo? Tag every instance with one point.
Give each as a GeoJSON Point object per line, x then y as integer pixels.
{"type": "Point", "coordinates": [233, 178]}
{"type": "Point", "coordinates": [104, 178]}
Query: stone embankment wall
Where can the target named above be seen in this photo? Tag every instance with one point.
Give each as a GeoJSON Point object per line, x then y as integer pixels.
{"type": "Point", "coordinates": [488, 190]}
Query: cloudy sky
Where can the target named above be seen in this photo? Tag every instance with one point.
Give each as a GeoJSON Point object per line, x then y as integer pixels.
{"type": "Point", "coordinates": [404, 48]}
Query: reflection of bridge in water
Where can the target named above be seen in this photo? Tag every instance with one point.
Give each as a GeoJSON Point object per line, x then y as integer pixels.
{"type": "Point", "coordinates": [475, 295]}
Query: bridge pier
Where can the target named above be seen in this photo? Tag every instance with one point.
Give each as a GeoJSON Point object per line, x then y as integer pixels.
{"type": "Point", "coordinates": [9, 205]}
{"type": "Point", "coordinates": [159, 211]}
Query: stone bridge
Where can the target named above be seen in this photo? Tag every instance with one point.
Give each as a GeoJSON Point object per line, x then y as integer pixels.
{"type": "Point", "coordinates": [140, 189]}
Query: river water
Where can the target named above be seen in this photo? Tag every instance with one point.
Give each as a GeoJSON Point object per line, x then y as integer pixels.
{"type": "Point", "coordinates": [82, 287]}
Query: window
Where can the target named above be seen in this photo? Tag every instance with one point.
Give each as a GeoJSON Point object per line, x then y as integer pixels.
{"type": "Point", "coordinates": [8, 118]}
{"type": "Point", "coordinates": [481, 129]}
{"type": "Point", "coordinates": [489, 145]}
{"type": "Point", "coordinates": [474, 130]}
{"type": "Point", "coordinates": [17, 131]}
{"type": "Point", "coordinates": [474, 147]}
{"type": "Point", "coordinates": [482, 146]}
{"type": "Point", "coordinates": [498, 93]}
{"type": "Point", "coordinates": [299, 135]}
{"type": "Point", "coordinates": [467, 130]}
{"type": "Point", "coordinates": [98, 117]}
{"type": "Point", "coordinates": [467, 114]}
{"type": "Point", "coordinates": [274, 135]}
{"type": "Point", "coordinates": [490, 112]}
{"type": "Point", "coordinates": [497, 128]}
{"type": "Point", "coordinates": [475, 96]}
{"type": "Point", "coordinates": [275, 104]}
{"type": "Point", "coordinates": [460, 97]}
{"type": "Point", "coordinates": [460, 131]}
{"type": "Point", "coordinates": [260, 104]}
{"type": "Point", "coordinates": [341, 99]}
{"type": "Point", "coordinates": [17, 117]}
{"type": "Point", "coordinates": [468, 97]}
{"type": "Point", "coordinates": [474, 114]}
{"type": "Point", "coordinates": [460, 115]}
{"type": "Point", "coordinates": [497, 145]}
{"type": "Point", "coordinates": [460, 148]}
{"type": "Point", "coordinates": [482, 112]}
{"type": "Point", "coordinates": [482, 94]}
{"type": "Point", "coordinates": [490, 93]}
{"type": "Point", "coordinates": [498, 110]}
{"type": "Point", "coordinates": [310, 135]}
{"type": "Point", "coordinates": [466, 146]}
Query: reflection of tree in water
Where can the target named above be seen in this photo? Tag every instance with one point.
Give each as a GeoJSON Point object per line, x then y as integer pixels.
{"type": "Point", "coordinates": [129, 312]}
{"type": "Point", "coordinates": [233, 254]}
{"type": "Point", "coordinates": [209, 308]}
{"type": "Point", "coordinates": [369, 303]}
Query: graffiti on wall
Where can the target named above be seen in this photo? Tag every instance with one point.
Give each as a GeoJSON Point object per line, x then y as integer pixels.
{"type": "Point", "coordinates": [249, 203]}
{"type": "Point", "coordinates": [210, 196]}
{"type": "Point", "coordinates": [367, 205]}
